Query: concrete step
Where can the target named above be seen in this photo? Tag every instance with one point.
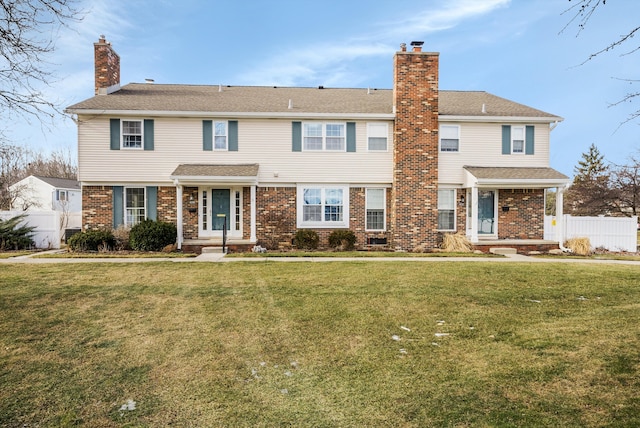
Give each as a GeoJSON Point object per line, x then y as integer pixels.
{"type": "Point", "coordinates": [211, 250]}
{"type": "Point", "coordinates": [503, 251]}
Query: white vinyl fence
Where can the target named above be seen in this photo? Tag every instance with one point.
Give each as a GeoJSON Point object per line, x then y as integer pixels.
{"type": "Point", "coordinates": [49, 225]}
{"type": "Point", "coordinates": [612, 233]}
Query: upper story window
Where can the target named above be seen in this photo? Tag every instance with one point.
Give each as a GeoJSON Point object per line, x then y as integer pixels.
{"type": "Point", "coordinates": [517, 139]}
{"type": "Point", "coordinates": [449, 138]}
{"type": "Point", "coordinates": [62, 195]}
{"type": "Point", "coordinates": [323, 136]}
{"type": "Point", "coordinates": [377, 135]}
{"type": "Point", "coordinates": [220, 137]}
{"type": "Point", "coordinates": [131, 134]}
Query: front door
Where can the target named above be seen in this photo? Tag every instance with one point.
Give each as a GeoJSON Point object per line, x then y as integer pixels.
{"type": "Point", "coordinates": [214, 209]}
{"type": "Point", "coordinates": [486, 212]}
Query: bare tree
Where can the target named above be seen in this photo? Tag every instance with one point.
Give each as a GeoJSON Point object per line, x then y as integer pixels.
{"type": "Point", "coordinates": [17, 162]}
{"type": "Point", "coordinates": [27, 32]}
{"type": "Point", "coordinates": [580, 13]}
{"type": "Point", "coordinates": [625, 181]}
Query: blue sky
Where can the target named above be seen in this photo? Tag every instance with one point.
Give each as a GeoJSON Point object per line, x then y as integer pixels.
{"type": "Point", "coordinates": [512, 48]}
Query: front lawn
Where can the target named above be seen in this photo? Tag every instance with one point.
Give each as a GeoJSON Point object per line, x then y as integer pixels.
{"type": "Point", "coordinates": [323, 345]}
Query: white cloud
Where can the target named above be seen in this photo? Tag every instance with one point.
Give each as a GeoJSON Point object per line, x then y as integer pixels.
{"type": "Point", "coordinates": [334, 64]}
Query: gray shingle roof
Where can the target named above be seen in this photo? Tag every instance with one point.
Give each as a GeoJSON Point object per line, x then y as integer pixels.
{"type": "Point", "coordinates": [263, 99]}
{"type": "Point", "coordinates": [515, 173]}
{"type": "Point", "coordinates": [60, 183]}
{"type": "Point", "coordinates": [216, 170]}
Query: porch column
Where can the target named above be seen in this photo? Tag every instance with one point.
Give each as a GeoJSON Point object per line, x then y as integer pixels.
{"type": "Point", "coordinates": [474, 215]}
{"type": "Point", "coordinates": [253, 237]}
{"type": "Point", "coordinates": [559, 215]}
{"type": "Point", "coordinates": [179, 215]}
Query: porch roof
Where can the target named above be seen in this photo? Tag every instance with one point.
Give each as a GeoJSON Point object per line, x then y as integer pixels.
{"type": "Point", "coordinates": [216, 173]}
{"type": "Point", "coordinates": [528, 177]}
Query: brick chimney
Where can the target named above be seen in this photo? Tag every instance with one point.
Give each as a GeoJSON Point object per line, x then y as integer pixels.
{"type": "Point", "coordinates": [107, 67]}
{"type": "Point", "coordinates": [415, 189]}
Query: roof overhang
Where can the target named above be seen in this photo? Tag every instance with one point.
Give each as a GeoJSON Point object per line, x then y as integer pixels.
{"type": "Point", "coordinates": [500, 119]}
{"type": "Point", "coordinates": [514, 177]}
{"type": "Point", "coordinates": [219, 174]}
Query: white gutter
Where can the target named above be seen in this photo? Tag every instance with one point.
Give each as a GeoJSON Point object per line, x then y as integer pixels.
{"type": "Point", "coordinates": [500, 119]}
{"type": "Point", "coordinates": [260, 115]}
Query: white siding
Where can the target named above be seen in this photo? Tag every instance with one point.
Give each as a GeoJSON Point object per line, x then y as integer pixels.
{"type": "Point", "coordinates": [481, 145]}
{"type": "Point", "coordinates": [263, 141]}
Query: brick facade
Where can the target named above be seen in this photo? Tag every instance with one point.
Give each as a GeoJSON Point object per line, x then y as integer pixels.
{"type": "Point", "coordinates": [524, 218]}
{"type": "Point", "coordinates": [97, 207]}
{"type": "Point", "coordinates": [415, 181]}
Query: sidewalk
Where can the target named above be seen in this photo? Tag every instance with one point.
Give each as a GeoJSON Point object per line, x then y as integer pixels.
{"type": "Point", "coordinates": [220, 258]}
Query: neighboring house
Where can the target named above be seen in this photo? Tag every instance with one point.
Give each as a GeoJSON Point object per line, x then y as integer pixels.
{"type": "Point", "coordinates": [400, 167]}
{"type": "Point", "coordinates": [46, 194]}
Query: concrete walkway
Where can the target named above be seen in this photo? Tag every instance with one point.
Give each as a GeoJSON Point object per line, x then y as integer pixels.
{"type": "Point", "coordinates": [219, 257]}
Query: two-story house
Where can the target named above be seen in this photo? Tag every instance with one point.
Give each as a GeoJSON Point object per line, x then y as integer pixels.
{"type": "Point", "coordinates": [399, 167]}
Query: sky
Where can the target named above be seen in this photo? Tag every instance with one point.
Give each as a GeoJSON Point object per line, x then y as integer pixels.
{"type": "Point", "coordinates": [516, 49]}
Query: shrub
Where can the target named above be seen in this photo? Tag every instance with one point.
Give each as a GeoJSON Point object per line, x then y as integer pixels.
{"type": "Point", "coordinates": [342, 240]}
{"type": "Point", "coordinates": [92, 240]}
{"type": "Point", "coordinates": [150, 235]}
{"type": "Point", "coordinates": [306, 239]}
{"type": "Point", "coordinates": [579, 246]}
{"type": "Point", "coordinates": [121, 235]}
{"type": "Point", "coordinates": [14, 236]}
{"type": "Point", "coordinates": [456, 243]}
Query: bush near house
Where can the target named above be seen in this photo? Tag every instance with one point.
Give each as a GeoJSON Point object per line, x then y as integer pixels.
{"type": "Point", "coordinates": [14, 236]}
{"type": "Point", "coordinates": [150, 235]}
{"type": "Point", "coordinates": [306, 239]}
{"type": "Point", "coordinates": [342, 240]}
{"type": "Point", "coordinates": [92, 240]}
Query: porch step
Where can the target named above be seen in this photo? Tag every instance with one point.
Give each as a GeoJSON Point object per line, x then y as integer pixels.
{"type": "Point", "coordinates": [503, 251]}
{"type": "Point", "coordinates": [211, 250]}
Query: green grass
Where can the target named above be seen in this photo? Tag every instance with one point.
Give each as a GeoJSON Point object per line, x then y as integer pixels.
{"type": "Point", "coordinates": [115, 255]}
{"type": "Point", "coordinates": [356, 254]}
{"type": "Point", "coordinates": [310, 344]}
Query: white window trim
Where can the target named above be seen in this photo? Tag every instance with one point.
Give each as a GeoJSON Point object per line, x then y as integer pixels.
{"type": "Point", "coordinates": [122, 146]}
{"type": "Point", "coordinates": [455, 210]}
{"type": "Point", "coordinates": [60, 192]}
{"type": "Point", "coordinates": [226, 136]}
{"type": "Point", "coordinates": [324, 136]}
{"type": "Point", "coordinates": [322, 224]}
{"type": "Point", "coordinates": [524, 139]}
{"type": "Point", "coordinates": [384, 209]}
{"type": "Point", "coordinates": [124, 203]}
{"type": "Point", "coordinates": [440, 139]}
{"type": "Point", "coordinates": [386, 125]}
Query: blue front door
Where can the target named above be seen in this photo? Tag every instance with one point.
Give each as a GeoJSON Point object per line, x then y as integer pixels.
{"type": "Point", "coordinates": [214, 208]}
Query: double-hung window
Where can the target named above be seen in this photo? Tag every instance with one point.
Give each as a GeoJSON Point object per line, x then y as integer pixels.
{"type": "Point", "coordinates": [62, 195]}
{"type": "Point", "coordinates": [376, 203]}
{"type": "Point", "coordinates": [446, 209]}
{"type": "Point", "coordinates": [324, 136]}
{"type": "Point", "coordinates": [323, 206]}
{"type": "Point", "coordinates": [517, 139]}
{"type": "Point", "coordinates": [131, 134]}
{"type": "Point", "coordinates": [220, 137]}
{"type": "Point", "coordinates": [135, 212]}
{"type": "Point", "coordinates": [377, 135]}
{"type": "Point", "coordinates": [449, 138]}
